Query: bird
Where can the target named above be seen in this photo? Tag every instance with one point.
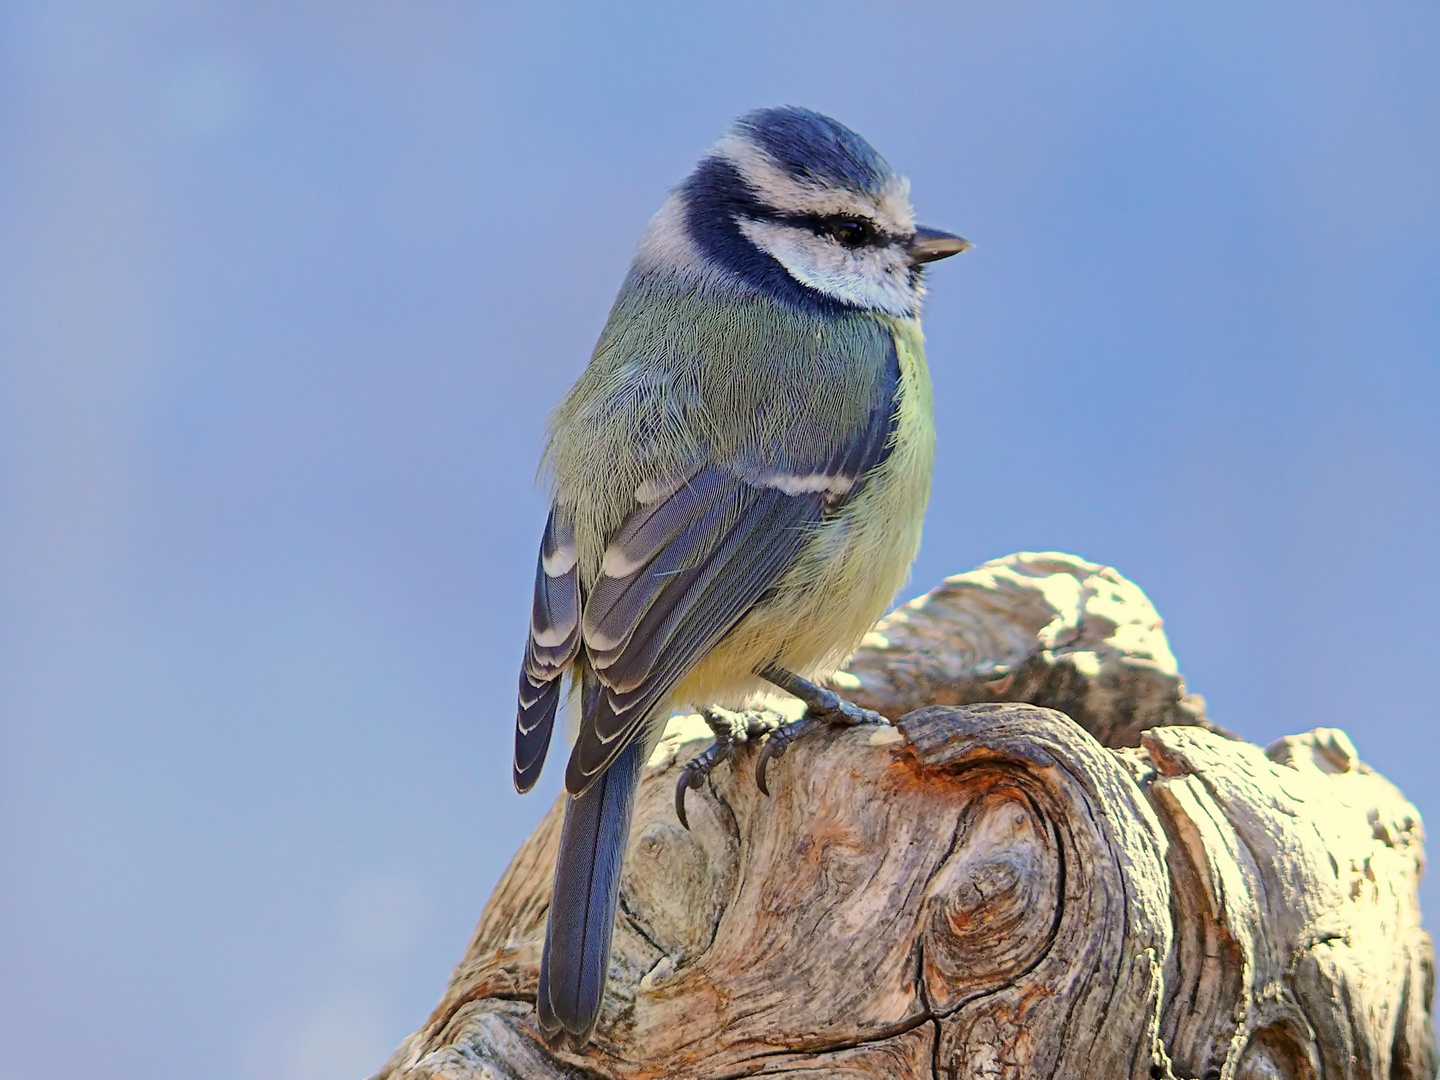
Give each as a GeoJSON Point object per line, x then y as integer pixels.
{"type": "Point", "coordinates": [738, 481]}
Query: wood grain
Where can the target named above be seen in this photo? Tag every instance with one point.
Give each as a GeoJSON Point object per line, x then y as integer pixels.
{"type": "Point", "coordinates": [985, 890]}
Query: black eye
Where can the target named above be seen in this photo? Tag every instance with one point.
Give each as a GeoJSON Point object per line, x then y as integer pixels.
{"type": "Point", "coordinates": [851, 232]}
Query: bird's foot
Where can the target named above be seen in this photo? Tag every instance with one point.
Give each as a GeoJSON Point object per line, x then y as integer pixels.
{"type": "Point", "coordinates": [731, 730]}
{"type": "Point", "coordinates": [821, 707]}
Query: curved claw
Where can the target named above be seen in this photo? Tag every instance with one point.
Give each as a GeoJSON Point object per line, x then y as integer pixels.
{"type": "Point", "coordinates": [772, 748]}
{"type": "Point", "coordinates": [695, 770]}
{"type": "Point", "coordinates": [690, 777]}
{"type": "Point", "coordinates": [680, 789]}
{"type": "Point", "coordinates": [777, 743]}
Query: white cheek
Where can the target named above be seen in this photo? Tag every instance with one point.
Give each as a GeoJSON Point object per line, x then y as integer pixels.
{"type": "Point", "coordinates": [876, 280]}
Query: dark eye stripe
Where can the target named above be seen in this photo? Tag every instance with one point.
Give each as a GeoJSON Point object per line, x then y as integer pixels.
{"type": "Point", "coordinates": [849, 230]}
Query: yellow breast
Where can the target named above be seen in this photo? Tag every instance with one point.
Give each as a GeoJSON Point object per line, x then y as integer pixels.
{"type": "Point", "coordinates": [848, 574]}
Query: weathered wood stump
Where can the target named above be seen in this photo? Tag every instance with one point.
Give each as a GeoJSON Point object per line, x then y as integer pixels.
{"type": "Point", "coordinates": [985, 889]}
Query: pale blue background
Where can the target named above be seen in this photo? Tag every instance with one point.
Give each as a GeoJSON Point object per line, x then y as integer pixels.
{"type": "Point", "coordinates": [286, 291]}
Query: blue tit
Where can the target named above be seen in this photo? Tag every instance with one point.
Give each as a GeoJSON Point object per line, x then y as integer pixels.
{"type": "Point", "coordinates": [738, 483]}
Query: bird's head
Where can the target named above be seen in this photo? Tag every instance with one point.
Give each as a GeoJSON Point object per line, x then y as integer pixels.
{"type": "Point", "coordinates": [799, 206]}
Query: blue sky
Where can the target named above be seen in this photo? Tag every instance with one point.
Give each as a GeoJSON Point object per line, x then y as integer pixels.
{"type": "Point", "coordinates": [287, 290]}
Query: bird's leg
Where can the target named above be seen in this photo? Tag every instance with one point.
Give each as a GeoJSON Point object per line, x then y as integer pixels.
{"type": "Point", "coordinates": [821, 707]}
{"type": "Point", "coordinates": [731, 729]}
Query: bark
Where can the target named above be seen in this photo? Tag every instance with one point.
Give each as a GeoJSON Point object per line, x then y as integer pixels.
{"type": "Point", "coordinates": [985, 889]}
{"type": "Point", "coordinates": [1046, 628]}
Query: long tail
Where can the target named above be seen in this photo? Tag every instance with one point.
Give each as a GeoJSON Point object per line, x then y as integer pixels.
{"type": "Point", "coordinates": [582, 904]}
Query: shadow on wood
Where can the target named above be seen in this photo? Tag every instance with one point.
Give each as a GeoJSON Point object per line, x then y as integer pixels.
{"type": "Point", "coordinates": [985, 889]}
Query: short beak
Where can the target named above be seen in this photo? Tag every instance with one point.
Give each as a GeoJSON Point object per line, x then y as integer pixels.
{"type": "Point", "coordinates": [931, 244]}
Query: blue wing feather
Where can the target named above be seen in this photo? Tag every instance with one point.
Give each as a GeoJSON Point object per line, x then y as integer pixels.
{"type": "Point", "coordinates": [695, 562]}
{"type": "Point", "coordinates": [551, 648]}
{"type": "Point", "coordinates": [728, 565]}
{"type": "Point", "coordinates": [680, 572]}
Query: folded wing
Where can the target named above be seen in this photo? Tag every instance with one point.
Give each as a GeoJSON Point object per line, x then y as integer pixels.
{"type": "Point", "coordinates": [696, 553]}
{"type": "Point", "coordinates": [551, 648]}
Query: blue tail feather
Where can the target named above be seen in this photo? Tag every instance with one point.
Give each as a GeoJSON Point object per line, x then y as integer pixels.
{"type": "Point", "coordinates": [582, 904]}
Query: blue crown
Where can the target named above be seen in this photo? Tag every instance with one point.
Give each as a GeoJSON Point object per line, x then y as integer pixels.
{"type": "Point", "coordinates": [810, 145]}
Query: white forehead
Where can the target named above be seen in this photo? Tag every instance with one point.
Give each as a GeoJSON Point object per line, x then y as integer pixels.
{"type": "Point", "coordinates": [889, 208]}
